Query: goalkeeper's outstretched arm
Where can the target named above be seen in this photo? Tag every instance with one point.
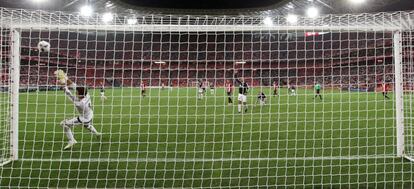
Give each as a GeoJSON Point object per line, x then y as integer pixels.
{"type": "Point", "coordinates": [70, 83]}
{"type": "Point", "coordinates": [70, 95]}
{"type": "Point", "coordinates": [75, 99]}
{"type": "Point", "coordinates": [64, 80]}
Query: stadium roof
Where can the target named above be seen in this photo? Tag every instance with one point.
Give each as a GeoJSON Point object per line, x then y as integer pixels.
{"type": "Point", "coordinates": [45, 20]}
{"type": "Point", "coordinates": [218, 7]}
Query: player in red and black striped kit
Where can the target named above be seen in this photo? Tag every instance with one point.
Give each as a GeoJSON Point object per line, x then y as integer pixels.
{"type": "Point", "coordinates": [229, 90]}
{"type": "Point", "coordinates": [143, 89]}
{"type": "Point", "coordinates": [384, 89]}
{"type": "Point", "coordinates": [275, 88]}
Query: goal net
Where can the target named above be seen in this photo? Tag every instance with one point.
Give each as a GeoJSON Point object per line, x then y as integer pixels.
{"type": "Point", "coordinates": [323, 102]}
{"type": "Point", "coordinates": [4, 99]}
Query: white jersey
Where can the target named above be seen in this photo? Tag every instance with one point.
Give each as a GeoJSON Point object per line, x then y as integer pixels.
{"type": "Point", "coordinates": [84, 106]}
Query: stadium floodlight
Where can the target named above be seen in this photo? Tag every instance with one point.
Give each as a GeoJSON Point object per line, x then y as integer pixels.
{"type": "Point", "coordinates": [292, 19]}
{"type": "Point", "coordinates": [357, 1]}
{"type": "Point", "coordinates": [107, 17]}
{"type": "Point", "coordinates": [159, 62]}
{"type": "Point", "coordinates": [312, 12]}
{"type": "Point", "coordinates": [86, 10]}
{"type": "Point", "coordinates": [132, 21]}
{"type": "Point", "coordinates": [268, 21]}
{"type": "Point", "coordinates": [109, 4]}
{"type": "Point", "coordinates": [241, 62]}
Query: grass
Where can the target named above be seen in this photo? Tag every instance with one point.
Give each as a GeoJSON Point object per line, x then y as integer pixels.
{"type": "Point", "coordinates": [171, 139]}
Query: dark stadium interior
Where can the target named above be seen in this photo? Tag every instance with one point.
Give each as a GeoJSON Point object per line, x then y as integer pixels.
{"type": "Point", "coordinates": [235, 7]}
{"type": "Point", "coordinates": [202, 4]}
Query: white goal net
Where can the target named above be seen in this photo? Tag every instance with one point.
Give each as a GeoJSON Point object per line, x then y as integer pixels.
{"type": "Point", "coordinates": [207, 101]}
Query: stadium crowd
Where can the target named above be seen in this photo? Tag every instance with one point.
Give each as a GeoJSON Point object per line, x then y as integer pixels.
{"type": "Point", "coordinates": [340, 60]}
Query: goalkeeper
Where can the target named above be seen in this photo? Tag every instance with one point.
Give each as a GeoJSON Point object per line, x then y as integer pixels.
{"type": "Point", "coordinates": [318, 91]}
{"type": "Point", "coordinates": [82, 102]}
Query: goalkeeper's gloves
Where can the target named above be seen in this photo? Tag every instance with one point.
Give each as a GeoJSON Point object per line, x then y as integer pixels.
{"type": "Point", "coordinates": [61, 76]}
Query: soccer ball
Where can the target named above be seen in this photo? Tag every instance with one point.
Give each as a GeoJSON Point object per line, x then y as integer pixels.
{"type": "Point", "coordinates": [43, 46]}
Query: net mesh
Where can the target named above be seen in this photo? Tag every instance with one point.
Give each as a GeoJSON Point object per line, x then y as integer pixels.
{"type": "Point", "coordinates": [160, 88]}
{"type": "Point", "coordinates": [4, 97]}
{"type": "Point", "coordinates": [408, 71]}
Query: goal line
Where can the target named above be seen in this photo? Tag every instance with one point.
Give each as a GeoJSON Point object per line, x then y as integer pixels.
{"type": "Point", "coordinates": [208, 159]}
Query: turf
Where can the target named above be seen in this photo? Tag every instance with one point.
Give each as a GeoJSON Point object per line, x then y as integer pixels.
{"type": "Point", "coordinates": [171, 139]}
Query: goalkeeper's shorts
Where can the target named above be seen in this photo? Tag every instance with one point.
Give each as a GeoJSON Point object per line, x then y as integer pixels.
{"type": "Point", "coordinates": [242, 98]}
{"type": "Point", "coordinates": [76, 121]}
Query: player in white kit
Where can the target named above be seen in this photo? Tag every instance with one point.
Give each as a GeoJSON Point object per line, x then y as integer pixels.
{"type": "Point", "coordinates": [83, 104]}
{"type": "Point", "coordinates": [242, 97]}
{"type": "Point", "coordinates": [201, 89]}
{"type": "Point", "coordinates": [103, 97]}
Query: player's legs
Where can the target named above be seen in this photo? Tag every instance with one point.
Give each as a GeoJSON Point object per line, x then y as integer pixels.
{"type": "Point", "coordinates": [385, 95]}
{"type": "Point", "coordinates": [67, 125]}
{"type": "Point", "coordinates": [239, 105]}
{"type": "Point", "coordinates": [318, 93]}
{"type": "Point", "coordinates": [200, 94]}
{"type": "Point", "coordinates": [103, 97]}
{"type": "Point", "coordinates": [91, 129]}
{"type": "Point", "coordinates": [244, 100]}
{"type": "Point", "coordinates": [143, 93]}
{"type": "Point", "coordinates": [262, 102]}
{"type": "Point", "coordinates": [275, 92]}
{"type": "Point", "coordinates": [230, 101]}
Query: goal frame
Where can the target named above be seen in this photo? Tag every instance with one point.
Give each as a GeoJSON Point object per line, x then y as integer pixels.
{"type": "Point", "coordinates": [13, 89]}
{"type": "Point", "coordinates": [399, 97]}
{"type": "Point", "coordinates": [16, 28]}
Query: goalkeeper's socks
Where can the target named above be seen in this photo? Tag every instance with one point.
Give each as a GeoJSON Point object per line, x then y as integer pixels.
{"type": "Point", "coordinates": [92, 129]}
{"type": "Point", "coordinates": [69, 133]}
{"type": "Point", "coordinates": [70, 144]}
{"type": "Point", "coordinates": [239, 107]}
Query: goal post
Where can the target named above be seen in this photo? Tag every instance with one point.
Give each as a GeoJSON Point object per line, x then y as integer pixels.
{"type": "Point", "coordinates": [399, 99]}
{"type": "Point", "coordinates": [11, 86]}
{"type": "Point", "coordinates": [14, 92]}
{"type": "Point", "coordinates": [404, 72]}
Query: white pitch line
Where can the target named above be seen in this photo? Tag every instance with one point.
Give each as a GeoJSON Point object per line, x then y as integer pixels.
{"type": "Point", "coordinates": [206, 159]}
{"type": "Point", "coordinates": [4, 163]}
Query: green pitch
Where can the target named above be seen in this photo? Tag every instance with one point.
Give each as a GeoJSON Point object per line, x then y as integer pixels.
{"type": "Point", "coordinates": [171, 139]}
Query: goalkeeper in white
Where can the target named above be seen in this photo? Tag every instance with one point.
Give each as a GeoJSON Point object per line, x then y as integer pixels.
{"type": "Point", "coordinates": [83, 104]}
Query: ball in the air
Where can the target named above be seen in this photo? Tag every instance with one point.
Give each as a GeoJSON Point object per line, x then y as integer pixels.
{"type": "Point", "coordinates": [43, 46]}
